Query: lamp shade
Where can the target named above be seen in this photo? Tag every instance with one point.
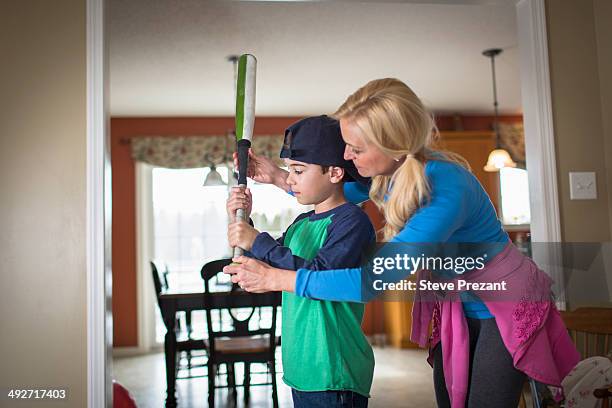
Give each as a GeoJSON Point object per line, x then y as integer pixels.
{"type": "Point", "coordinates": [213, 178]}
{"type": "Point", "coordinates": [499, 158]}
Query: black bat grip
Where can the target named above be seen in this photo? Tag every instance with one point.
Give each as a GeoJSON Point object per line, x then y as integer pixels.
{"type": "Point", "coordinates": [243, 160]}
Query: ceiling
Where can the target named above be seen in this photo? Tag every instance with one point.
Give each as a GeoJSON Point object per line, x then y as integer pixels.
{"type": "Point", "coordinates": [168, 58]}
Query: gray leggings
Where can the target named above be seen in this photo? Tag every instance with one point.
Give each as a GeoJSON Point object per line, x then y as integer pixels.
{"type": "Point", "coordinates": [494, 382]}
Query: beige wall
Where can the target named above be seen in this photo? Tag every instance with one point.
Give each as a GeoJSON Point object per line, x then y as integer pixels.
{"type": "Point", "coordinates": [42, 206]}
{"type": "Point", "coordinates": [603, 30]}
{"type": "Point", "coordinates": [575, 68]}
{"type": "Point", "coordinates": [580, 55]}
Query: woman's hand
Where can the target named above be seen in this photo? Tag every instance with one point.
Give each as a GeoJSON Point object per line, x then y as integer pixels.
{"type": "Point", "coordinates": [239, 198]}
{"type": "Point", "coordinates": [241, 234]}
{"type": "Point", "coordinates": [263, 170]}
{"type": "Point", "coordinates": [258, 277]}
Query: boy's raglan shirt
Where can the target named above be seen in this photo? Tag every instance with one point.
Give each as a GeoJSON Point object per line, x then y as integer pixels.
{"type": "Point", "coordinates": [323, 346]}
{"type": "Point", "coordinates": [346, 232]}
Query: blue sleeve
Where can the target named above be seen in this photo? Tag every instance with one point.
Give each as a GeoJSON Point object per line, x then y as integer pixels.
{"type": "Point", "coordinates": [263, 239]}
{"type": "Point", "coordinates": [347, 239]}
{"type": "Point", "coordinates": [356, 193]}
{"type": "Point", "coordinates": [271, 251]}
{"type": "Point", "coordinates": [325, 285]}
{"type": "Point", "coordinates": [433, 223]}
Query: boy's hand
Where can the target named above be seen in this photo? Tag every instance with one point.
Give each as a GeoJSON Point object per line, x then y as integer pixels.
{"type": "Point", "coordinates": [239, 198]}
{"type": "Point", "coordinates": [258, 277]}
{"type": "Point", "coordinates": [263, 170]}
{"type": "Point", "coordinates": [241, 234]}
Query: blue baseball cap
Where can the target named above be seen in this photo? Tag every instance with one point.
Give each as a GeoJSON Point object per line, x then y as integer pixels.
{"type": "Point", "coordinates": [318, 140]}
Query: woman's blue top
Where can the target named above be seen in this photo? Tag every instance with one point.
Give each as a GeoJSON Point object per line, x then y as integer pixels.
{"type": "Point", "coordinates": [459, 211]}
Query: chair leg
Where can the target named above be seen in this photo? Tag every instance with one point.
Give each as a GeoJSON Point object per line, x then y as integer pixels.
{"type": "Point", "coordinates": [522, 402]}
{"type": "Point", "coordinates": [211, 384]}
{"type": "Point", "coordinates": [179, 322]}
{"type": "Point", "coordinates": [272, 366]}
{"type": "Point", "coordinates": [188, 324]}
{"type": "Point", "coordinates": [534, 393]}
{"type": "Point", "coordinates": [231, 380]}
{"type": "Point", "coordinates": [247, 382]}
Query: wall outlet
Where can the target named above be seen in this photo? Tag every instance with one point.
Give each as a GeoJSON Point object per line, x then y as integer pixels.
{"type": "Point", "coordinates": [583, 185]}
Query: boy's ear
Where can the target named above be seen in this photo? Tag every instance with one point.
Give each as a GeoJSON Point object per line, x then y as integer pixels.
{"type": "Point", "coordinates": [336, 174]}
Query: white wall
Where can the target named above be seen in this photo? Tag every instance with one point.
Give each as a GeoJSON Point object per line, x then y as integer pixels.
{"type": "Point", "coordinates": [42, 204]}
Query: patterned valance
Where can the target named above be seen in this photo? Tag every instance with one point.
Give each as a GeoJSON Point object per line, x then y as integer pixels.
{"type": "Point", "coordinates": [201, 151]}
{"type": "Point", "coordinates": [512, 138]}
{"type": "Point", "coordinates": [198, 151]}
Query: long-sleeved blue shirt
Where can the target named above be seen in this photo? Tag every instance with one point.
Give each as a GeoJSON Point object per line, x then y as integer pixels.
{"type": "Point", "coordinates": [459, 211]}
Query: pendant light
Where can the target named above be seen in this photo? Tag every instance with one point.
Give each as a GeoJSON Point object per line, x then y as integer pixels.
{"type": "Point", "coordinates": [213, 178]}
{"type": "Point", "coordinates": [498, 158]}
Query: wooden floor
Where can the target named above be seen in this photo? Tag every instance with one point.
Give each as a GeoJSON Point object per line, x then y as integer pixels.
{"type": "Point", "coordinates": [402, 378]}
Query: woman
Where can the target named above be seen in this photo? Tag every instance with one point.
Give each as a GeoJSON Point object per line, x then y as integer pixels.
{"type": "Point", "coordinates": [481, 350]}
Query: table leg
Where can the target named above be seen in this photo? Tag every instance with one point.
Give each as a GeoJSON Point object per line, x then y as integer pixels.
{"type": "Point", "coordinates": [169, 315]}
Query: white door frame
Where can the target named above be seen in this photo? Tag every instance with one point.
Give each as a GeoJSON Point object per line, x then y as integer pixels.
{"type": "Point", "coordinates": [540, 142]}
{"type": "Point", "coordinates": [538, 121]}
{"type": "Point", "coordinates": [540, 151]}
{"type": "Point", "coordinates": [99, 211]}
{"type": "Point", "coordinates": [144, 252]}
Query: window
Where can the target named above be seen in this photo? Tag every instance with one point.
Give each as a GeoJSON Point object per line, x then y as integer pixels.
{"type": "Point", "coordinates": [190, 224]}
{"type": "Point", "coordinates": [189, 221]}
{"type": "Point", "coordinates": [514, 196]}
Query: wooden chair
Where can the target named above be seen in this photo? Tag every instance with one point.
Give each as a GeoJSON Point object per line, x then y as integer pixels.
{"type": "Point", "coordinates": [234, 339]}
{"type": "Point", "coordinates": [163, 277]}
{"type": "Point", "coordinates": [605, 394]}
{"type": "Point", "coordinates": [591, 330]}
{"type": "Point", "coordinates": [532, 385]}
{"type": "Point", "coordinates": [185, 343]}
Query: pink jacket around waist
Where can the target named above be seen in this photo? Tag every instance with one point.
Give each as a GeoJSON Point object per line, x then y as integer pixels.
{"type": "Point", "coordinates": [528, 321]}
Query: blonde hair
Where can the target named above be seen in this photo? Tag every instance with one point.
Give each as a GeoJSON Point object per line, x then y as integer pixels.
{"type": "Point", "coordinates": [394, 119]}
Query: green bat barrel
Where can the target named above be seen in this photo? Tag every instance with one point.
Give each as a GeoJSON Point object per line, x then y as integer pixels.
{"type": "Point", "coordinates": [245, 120]}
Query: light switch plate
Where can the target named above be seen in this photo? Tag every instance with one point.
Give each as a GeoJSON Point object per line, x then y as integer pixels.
{"type": "Point", "coordinates": [583, 185]}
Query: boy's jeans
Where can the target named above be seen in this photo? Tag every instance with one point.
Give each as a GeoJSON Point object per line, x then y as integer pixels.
{"type": "Point", "coordinates": [328, 399]}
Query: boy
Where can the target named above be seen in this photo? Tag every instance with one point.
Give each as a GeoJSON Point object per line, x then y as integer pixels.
{"type": "Point", "coordinates": [327, 360]}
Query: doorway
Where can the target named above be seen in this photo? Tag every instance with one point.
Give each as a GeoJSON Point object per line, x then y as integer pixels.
{"type": "Point", "coordinates": [539, 148]}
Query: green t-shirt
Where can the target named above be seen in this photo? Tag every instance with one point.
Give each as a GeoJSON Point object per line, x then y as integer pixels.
{"type": "Point", "coordinates": [323, 346]}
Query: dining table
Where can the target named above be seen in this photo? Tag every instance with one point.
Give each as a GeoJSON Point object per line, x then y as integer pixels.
{"type": "Point", "coordinates": [172, 301]}
{"type": "Point", "coordinates": [188, 299]}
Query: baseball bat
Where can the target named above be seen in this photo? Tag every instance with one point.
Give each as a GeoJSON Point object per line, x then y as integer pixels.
{"type": "Point", "coordinates": [245, 120]}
